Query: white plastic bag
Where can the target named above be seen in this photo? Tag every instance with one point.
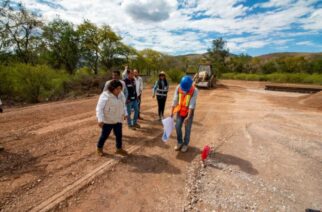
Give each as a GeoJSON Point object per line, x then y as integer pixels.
{"type": "Point", "coordinates": [168, 125]}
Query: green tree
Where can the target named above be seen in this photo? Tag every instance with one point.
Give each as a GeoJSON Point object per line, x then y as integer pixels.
{"type": "Point", "coordinates": [316, 65]}
{"type": "Point", "coordinates": [153, 60]}
{"type": "Point", "coordinates": [217, 54]}
{"type": "Point", "coordinates": [240, 64]}
{"type": "Point", "coordinates": [21, 30]}
{"type": "Point", "coordinates": [138, 61]}
{"type": "Point", "coordinates": [4, 36]}
{"type": "Point", "coordinates": [269, 67]}
{"type": "Point", "coordinates": [255, 64]}
{"type": "Point", "coordinates": [90, 41]}
{"type": "Point", "coordinates": [61, 41]}
{"type": "Point", "coordinates": [111, 47]}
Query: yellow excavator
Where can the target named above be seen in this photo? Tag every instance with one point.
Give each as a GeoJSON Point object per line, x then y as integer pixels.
{"type": "Point", "coordinates": [205, 76]}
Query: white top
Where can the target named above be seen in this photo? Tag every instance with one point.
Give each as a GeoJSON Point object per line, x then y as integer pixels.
{"type": "Point", "coordinates": [111, 109]}
{"type": "Point", "coordinates": [139, 85]}
{"type": "Point", "coordinates": [124, 74]}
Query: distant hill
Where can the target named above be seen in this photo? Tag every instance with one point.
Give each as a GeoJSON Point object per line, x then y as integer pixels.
{"type": "Point", "coordinates": [192, 56]}
{"type": "Point", "coordinates": [266, 56]}
{"type": "Point", "coordinates": [289, 54]}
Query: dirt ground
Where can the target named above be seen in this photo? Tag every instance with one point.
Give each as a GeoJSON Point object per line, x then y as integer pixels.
{"type": "Point", "coordinates": [266, 156]}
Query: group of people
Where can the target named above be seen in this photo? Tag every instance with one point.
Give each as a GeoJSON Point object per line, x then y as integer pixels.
{"type": "Point", "coordinates": [122, 95]}
{"type": "Point", "coordinates": [119, 98]}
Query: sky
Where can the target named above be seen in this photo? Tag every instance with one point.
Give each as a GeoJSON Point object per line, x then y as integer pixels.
{"type": "Point", "coordinates": [253, 27]}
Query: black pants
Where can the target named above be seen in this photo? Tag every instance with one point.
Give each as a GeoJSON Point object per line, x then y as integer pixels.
{"type": "Point", "coordinates": [139, 104]}
{"type": "Point", "coordinates": [106, 130]}
{"type": "Point", "coordinates": [161, 104]}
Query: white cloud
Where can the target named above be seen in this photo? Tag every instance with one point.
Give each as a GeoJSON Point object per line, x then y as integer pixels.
{"type": "Point", "coordinates": [242, 44]}
{"type": "Point", "coordinates": [239, 47]}
{"type": "Point", "coordinates": [313, 22]}
{"type": "Point", "coordinates": [159, 24]}
{"type": "Point", "coordinates": [221, 8]}
{"type": "Point", "coordinates": [276, 3]}
{"type": "Point", "coordinates": [305, 43]}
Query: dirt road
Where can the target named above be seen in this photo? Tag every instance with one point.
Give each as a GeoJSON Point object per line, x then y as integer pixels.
{"type": "Point", "coordinates": [267, 156]}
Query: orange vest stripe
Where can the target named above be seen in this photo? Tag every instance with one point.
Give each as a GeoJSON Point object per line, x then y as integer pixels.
{"type": "Point", "coordinates": [184, 101]}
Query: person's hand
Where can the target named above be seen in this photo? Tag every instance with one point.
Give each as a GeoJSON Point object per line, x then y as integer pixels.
{"type": "Point", "coordinates": [100, 124]}
{"type": "Point", "coordinates": [125, 117]}
{"type": "Point", "coordinates": [186, 121]}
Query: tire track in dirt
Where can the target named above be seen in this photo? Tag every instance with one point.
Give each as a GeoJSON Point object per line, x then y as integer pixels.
{"type": "Point", "coordinates": [267, 173]}
{"type": "Point", "coordinates": [153, 177]}
{"type": "Point", "coordinates": [163, 191]}
{"type": "Point", "coordinates": [59, 148]}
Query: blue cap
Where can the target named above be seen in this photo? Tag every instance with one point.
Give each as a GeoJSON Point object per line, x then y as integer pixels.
{"type": "Point", "coordinates": [186, 83]}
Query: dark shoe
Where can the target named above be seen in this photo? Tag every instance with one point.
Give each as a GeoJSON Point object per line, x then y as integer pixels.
{"type": "Point", "coordinates": [132, 128]}
{"type": "Point", "coordinates": [100, 152]}
{"type": "Point", "coordinates": [137, 126]}
{"type": "Point", "coordinates": [121, 152]}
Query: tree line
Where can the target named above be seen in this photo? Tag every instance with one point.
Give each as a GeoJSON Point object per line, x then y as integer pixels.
{"type": "Point", "coordinates": [42, 61]}
{"type": "Point", "coordinates": [243, 63]}
{"type": "Point", "coordinates": [25, 38]}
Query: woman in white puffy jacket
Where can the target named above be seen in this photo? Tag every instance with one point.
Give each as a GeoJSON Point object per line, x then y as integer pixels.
{"type": "Point", "coordinates": [110, 113]}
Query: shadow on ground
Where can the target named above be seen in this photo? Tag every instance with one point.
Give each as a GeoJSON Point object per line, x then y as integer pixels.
{"type": "Point", "coordinates": [190, 155]}
{"type": "Point", "coordinates": [150, 164]}
{"type": "Point", "coordinates": [244, 165]}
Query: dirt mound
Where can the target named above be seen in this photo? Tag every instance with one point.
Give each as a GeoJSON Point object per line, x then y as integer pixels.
{"type": "Point", "coordinates": [314, 100]}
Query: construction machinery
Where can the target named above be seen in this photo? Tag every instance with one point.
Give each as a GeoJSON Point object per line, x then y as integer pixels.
{"type": "Point", "coordinates": [205, 77]}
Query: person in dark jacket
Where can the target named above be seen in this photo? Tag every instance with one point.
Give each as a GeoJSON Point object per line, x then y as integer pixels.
{"type": "Point", "coordinates": [160, 90]}
{"type": "Point", "coordinates": [132, 101]}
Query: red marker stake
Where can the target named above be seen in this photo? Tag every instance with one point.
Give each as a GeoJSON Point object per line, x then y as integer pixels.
{"type": "Point", "coordinates": [205, 153]}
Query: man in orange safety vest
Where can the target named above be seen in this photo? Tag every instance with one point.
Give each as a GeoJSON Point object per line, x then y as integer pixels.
{"type": "Point", "coordinates": [183, 106]}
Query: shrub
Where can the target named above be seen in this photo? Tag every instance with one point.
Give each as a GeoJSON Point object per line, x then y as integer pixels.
{"type": "Point", "coordinates": [277, 77]}
{"type": "Point", "coordinates": [153, 79]}
{"type": "Point", "coordinates": [85, 80]}
{"type": "Point", "coordinates": [175, 75]}
{"type": "Point", "coordinates": [29, 83]}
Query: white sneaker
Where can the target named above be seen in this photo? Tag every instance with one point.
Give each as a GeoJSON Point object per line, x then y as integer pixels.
{"type": "Point", "coordinates": [184, 148]}
{"type": "Point", "coordinates": [178, 147]}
